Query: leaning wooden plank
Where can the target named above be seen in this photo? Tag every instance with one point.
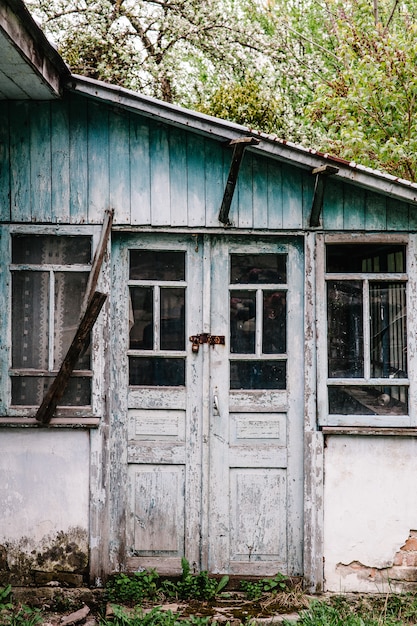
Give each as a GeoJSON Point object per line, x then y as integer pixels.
{"type": "Point", "coordinates": [79, 343]}
{"type": "Point", "coordinates": [98, 259]}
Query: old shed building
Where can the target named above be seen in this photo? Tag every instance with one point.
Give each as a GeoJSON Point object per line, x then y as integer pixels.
{"type": "Point", "coordinates": [248, 397]}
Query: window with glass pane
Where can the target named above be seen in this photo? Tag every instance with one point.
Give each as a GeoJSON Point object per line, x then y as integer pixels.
{"type": "Point", "coordinates": [49, 278]}
{"type": "Point", "coordinates": [367, 329]}
{"type": "Point", "coordinates": [258, 321]}
{"type": "Point", "coordinates": [157, 318]}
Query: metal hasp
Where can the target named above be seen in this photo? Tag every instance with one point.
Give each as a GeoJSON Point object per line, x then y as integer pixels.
{"type": "Point", "coordinates": [321, 174]}
{"type": "Point", "coordinates": [238, 152]}
{"type": "Point", "coordinates": [212, 340]}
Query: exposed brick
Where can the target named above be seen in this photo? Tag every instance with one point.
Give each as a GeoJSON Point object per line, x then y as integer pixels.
{"type": "Point", "coordinates": [410, 544]}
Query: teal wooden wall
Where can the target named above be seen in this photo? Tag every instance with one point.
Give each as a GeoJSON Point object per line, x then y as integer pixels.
{"type": "Point", "coordinates": [68, 161]}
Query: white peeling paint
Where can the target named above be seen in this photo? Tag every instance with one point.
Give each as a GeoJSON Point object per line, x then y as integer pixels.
{"type": "Point", "coordinates": [44, 482]}
{"type": "Point", "coordinates": [370, 506]}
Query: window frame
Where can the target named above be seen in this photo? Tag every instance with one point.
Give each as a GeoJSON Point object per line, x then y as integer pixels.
{"type": "Point", "coordinates": [14, 415]}
{"type": "Point", "coordinates": [325, 419]}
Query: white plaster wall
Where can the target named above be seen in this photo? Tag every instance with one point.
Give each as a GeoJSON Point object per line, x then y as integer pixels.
{"type": "Point", "coordinates": [44, 482]}
{"type": "Point", "coordinates": [370, 506]}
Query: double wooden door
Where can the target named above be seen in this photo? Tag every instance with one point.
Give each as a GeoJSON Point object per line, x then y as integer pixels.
{"type": "Point", "coordinates": [211, 364]}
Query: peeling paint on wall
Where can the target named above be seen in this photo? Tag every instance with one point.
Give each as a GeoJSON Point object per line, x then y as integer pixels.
{"type": "Point", "coordinates": [61, 556]}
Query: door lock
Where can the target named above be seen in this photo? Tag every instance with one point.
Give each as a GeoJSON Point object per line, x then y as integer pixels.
{"type": "Point", "coordinates": [212, 340]}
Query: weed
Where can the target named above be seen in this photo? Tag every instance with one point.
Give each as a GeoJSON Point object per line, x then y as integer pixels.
{"type": "Point", "coordinates": [5, 598]}
{"type": "Point", "coordinates": [255, 589]}
{"type": "Point", "coordinates": [155, 617]}
{"type": "Point", "coordinates": [24, 616]}
{"type": "Point", "coordinates": [136, 588]}
{"type": "Point", "coordinates": [197, 586]}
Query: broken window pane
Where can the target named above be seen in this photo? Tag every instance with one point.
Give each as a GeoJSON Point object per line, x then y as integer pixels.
{"type": "Point", "coordinates": [388, 330]}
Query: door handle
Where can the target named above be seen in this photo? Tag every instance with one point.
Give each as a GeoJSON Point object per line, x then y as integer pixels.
{"type": "Point", "coordinates": [216, 404]}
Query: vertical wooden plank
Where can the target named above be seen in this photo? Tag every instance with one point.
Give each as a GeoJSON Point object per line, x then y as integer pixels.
{"type": "Point", "coordinates": [308, 194]}
{"type": "Point", "coordinates": [98, 162]}
{"type": "Point", "coordinates": [412, 217]}
{"type": "Point", "coordinates": [244, 189]}
{"type": "Point", "coordinates": [119, 166]}
{"type": "Point", "coordinates": [160, 180]}
{"type": "Point", "coordinates": [4, 163]}
{"type": "Point", "coordinates": [375, 211]}
{"type": "Point", "coordinates": [118, 477]}
{"type": "Point", "coordinates": [40, 157]}
{"type": "Point", "coordinates": [214, 176]}
{"type": "Point", "coordinates": [140, 171]}
{"type": "Point", "coordinates": [196, 169]}
{"type": "Point", "coordinates": [292, 197]}
{"type": "Point", "coordinates": [275, 199]}
{"type": "Point", "coordinates": [332, 212]}
{"type": "Point", "coordinates": [5, 333]}
{"type": "Point", "coordinates": [354, 208]}
{"type": "Point", "coordinates": [20, 162]}
{"type": "Point", "coordinates": [78, 160]}
{"type": "Point", "coordinates": [178, 177]}
{"type": "Point", "coordinates": [397, 215]}
{"type": "Point", "coordinates": [60, 166]}
{"type": "Point", "coordinates": [261, 185]}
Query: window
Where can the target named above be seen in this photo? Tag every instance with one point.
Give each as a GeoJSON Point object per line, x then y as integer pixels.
{"type": "Point", "coordinates": [49, 275]}
{"type": "Point", "coordinates": [157, 325]}
{"type": "Point", "coordinates": [366, 310]}
{"type": "Point", "coordinates": [258, 320]}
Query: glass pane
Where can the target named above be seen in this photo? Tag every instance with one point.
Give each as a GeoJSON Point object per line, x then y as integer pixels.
{"type": "Point", "coordinates": [157, 265]}
{"type": "Point", "coordinates": [258, 374]}
{"type": "Point", "coordinates": [69, 294]}
{"type": "Point", "coordinates": [156, 371]}
{"type": "Point", "coordinates": [369, 400]}
{"type": "Point", "coordinates": [30, 390]}
{"type": "Point", "coordinates": [258, 268]}
{"type": "Point", "coordinates": [172, 319]}
{"type": "Point", "coordinates": [359, 257]}
{"type": "Point", "coordinates": [345, 329]}
{"type": "Point", "coordinates": [30, 315]}
{"type": "Point", "coordinates": [51, 249]}
{"type": "Point", "coordinates": [242, 322]}
{"type": "Point", "coordinates": [388, 317]}
{"type": "Point", "coordinates": [274, 322]}
{"type": "Point", "coordinates": [141, 318]}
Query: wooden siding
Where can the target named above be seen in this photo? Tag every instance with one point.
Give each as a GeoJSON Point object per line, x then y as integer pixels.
{"type": "Point", "coordinates": [66, 162]}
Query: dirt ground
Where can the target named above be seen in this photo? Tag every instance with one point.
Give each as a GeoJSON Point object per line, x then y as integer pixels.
{"type": "Point", "coordinates": [67, 607]}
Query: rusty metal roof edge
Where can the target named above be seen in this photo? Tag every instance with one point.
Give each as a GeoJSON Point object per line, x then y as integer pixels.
{"type": "Point", "coordinates": [282, 149]}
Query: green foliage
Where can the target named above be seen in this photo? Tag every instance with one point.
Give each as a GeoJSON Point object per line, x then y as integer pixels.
{"type": "Point", "coordinates": [255, 589]}
{"type": "Point", "coordinates": [155, 617]}
{"type": "Point", "coordinates": [197, 586]}
{"type": "Point", "coordinates": [5, 598]}
{"type": "Point", "coordinates": [24, 616]}
{"type": "Point", "coordinates": [134, 588]}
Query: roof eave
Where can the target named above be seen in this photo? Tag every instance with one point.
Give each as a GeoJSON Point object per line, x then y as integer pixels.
{"type": "Point", "coordinates": [224, 130]}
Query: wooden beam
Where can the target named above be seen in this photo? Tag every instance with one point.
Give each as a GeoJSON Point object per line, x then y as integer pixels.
{"type": "Point", "coordinates": [79, 343]}
{"type": "Point", "coordinates": [321, 173]}
{"type": "Point", "coordinates": [238, 151]}
{"type": "Point", "coordinates": [98, 259]}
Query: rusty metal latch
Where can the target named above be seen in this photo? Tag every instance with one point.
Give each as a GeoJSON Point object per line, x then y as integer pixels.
{"type": "Point", "coordinates": [212, 340]}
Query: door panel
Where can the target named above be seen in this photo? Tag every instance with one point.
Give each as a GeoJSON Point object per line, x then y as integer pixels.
{"type": "Point", "coordinates": [214, 431]}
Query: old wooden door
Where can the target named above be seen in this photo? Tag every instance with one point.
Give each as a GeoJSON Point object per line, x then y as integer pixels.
{"type": "Point", "coordinates": [214, 342]}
